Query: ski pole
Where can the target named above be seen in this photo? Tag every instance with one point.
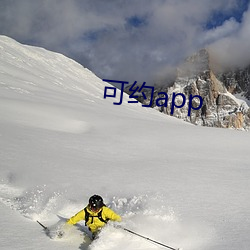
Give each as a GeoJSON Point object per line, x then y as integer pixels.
{"type": "Point", "coordinates": [146, 238]}
{"type": "Point", "coordinates": [45, 228]}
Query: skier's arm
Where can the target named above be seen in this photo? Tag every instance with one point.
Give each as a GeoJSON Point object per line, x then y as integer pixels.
{"type": "Point", "coordinates": [77, 217]}
{"type": "Point", "coordinates": [110, 214]}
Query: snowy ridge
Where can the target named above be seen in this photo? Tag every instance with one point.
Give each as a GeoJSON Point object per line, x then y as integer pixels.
{"type": "Point", "coordinates": [61, 142]}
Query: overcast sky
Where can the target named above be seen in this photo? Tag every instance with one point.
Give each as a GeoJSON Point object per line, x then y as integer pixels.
{"type": "Point", "coordinates": [131, 39]}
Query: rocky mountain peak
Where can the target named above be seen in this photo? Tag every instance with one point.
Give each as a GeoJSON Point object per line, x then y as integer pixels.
{"type": "Point", "coordinates": [196, 76]}
{"type": "Point", "coordinates": [225, 94]}
{"type": "Point", "coordinates": [196, 64]}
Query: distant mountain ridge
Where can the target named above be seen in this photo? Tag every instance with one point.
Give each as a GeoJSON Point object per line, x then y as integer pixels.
{"type": "Point", "coordinates": [226, 95]}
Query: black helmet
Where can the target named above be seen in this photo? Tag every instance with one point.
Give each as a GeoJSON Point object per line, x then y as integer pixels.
{"type": "Point", "coordinates": [96, 202]}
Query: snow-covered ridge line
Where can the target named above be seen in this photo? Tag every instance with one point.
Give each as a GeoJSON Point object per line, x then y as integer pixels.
{"type": "Point", "coordinates": [33, 60]}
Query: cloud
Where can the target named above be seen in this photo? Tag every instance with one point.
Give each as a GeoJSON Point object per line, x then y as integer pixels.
{"type": "Point", "coordinates": [228, 28]}
{"type": "Point", "coordinates": [233, 49]}
{"type": "Point", "coordinates": [124, 40]}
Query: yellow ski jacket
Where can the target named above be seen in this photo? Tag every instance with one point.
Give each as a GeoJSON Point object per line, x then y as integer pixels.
{"type": "Point", "coordinates": [94, 223]}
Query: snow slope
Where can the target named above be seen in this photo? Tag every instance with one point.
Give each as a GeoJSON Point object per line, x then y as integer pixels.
{"type": "Point", "coordinates": [61, 142]}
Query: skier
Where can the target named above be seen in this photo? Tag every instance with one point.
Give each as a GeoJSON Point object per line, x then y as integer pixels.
{"type": "Point", "coordinates": [95, 214]}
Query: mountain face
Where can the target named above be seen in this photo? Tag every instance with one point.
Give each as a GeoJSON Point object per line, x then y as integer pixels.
{"type": "Point", "coordinates": [225, 95]}
{"type": "Point", "coordinates": [237, 81]}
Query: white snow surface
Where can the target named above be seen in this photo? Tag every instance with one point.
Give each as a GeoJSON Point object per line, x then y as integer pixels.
{"type": "Point", "coordinates": [61, 142]}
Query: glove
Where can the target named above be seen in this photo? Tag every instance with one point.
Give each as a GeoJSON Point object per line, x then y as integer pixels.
{"type": "Point", "coordinates": [60, 234]}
